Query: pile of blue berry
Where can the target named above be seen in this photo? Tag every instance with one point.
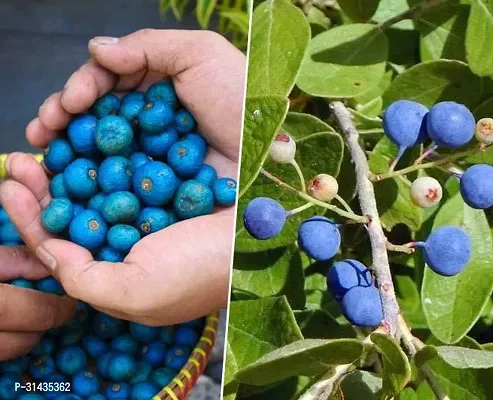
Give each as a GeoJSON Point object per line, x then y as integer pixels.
{"type": "Point", "coordinates": [130, 168]}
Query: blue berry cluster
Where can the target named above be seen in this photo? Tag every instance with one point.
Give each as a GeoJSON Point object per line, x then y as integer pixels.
{"type": "Point", "coordinates": [129, 168]}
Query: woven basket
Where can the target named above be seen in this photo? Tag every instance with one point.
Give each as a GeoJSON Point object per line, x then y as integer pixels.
{"type": "Point", "coordinates": [184, 381]}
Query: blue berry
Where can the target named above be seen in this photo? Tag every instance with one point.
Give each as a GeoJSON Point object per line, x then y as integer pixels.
{"type": "Point", "coordinates": [162, 376]}
{"type": "Point", "coordinates": [82, 135]}
{"type": "Point", "coordinates": [58, 155]}
{"type": "Point", "coordinates": [57, 187]}
{"type": "Point", "coordinates": [118, 391]}
{"type": "Point", "coordinates": [15, 367]}
{"type": "Point", "coordinates": [57, 216]}
{"type": "Point", "coordinates": [144, 333]}
{"type": "Point", "coordinates": [197, 324]}
{"type": "Point", "coordinates": [132, 96]}
{"type": "Point", "coordinates": [138, 159]}
{"type": "Point", "coordinates": [346, 274]}
{"type": "Point", "coordinates": [447, 250]}
{"type": "Point", "coordinates": [4, 217]}
{"type": "Point", "coordinates": [193, 199]}
{"type": "Point", "coordinates": [30, 396]}
{"type": "Point", "coordinates": [9, 233]}
{"type": "Point", "coordinates": [198, 139]}
{"type": "Point", "coordinates": [106, 105]}
{"type": "Point", "coordinates": [362, 306]}
{"type": "Point", "coordinates": [158, 145]}
{"type": "Point", "coordinates": [107, 327]}
{"type": "Point", "coordinates": [144, 391]}
{"type": "Point", "coordinates": [224, 190]}
{"type": "Point", "coordinates": [85, 384]}
{"type": "Point", "coordinates": [153, 353]}
{"type": "Point", "coordinates": [109, 254]}
{"type": "Point", "coordinates": [8, 390]}
{"type": "Point", "coordinates": [142, 373]}
{"type": "Point", "coordinates": [184, 121]}
{"type": "Point", "coordinates": [177, 356]}
{"type": "Point", "coordinates": [476, 186]}
{"type": "Point", "coordinates": [50, 285]}
{"type": "Point", "coordinates": [71, 359]}
{"type": "Point", "coordinates": [22, 283]}
{"type": "Point", "coordinates": [152, 219]}
{"type": "Point", "coordinates": [78, 208]}
{"type": "Point", "coordinates": [125, 344]}
{"type": "Point", "coordinates": [155, 117]}
{"type": "Point", "coordinates": [68, 396]}
{"type": "Point", "coordinates": [404, 122]}
{"type": "Point", "coordinates": [88, 229]}
{"type": "Point", "coordinates": [102, 363]}
{"type": "Point", "coordinates": [167, 334]}
{"type": "Point", "coordinates": [185, 157]}
{"type": "Point", "coordinates": [173, 218]}
{"type": "Point", "coordinates": [120, 207]}
{"type": "Point", "coordinates": [186, 336]}
{"type": "Point", "coordinates": [115, 174]}
{"type": "Point", "coordinates": [123, 237]}
{"type": "Point", "coordinates": [94, 346]}
{"type": "Point", "coordinates": [42, 367]}
{"type": "Point", "coordinates": [206, 175]}
{"type": "Point", "coordinates": [114, 135]}
{"type": "Point", "coordinates": [450, 124]}
{"type": "Point", "coordinates": [131, 107]}
{"type": "Point", "coordinates": [56, 379]}
{"type": "Point", "coordinates": [319, 238]}
{"type": "Point", "coordinates": [121, 367]}
{"type": "Point", "coordinates": [155, 183]}
{"type": "Point", "coordinates": [80, 178]}
{"type": "Point", "coordinates": [98, 396]}
{"type": "Point", "coordinates": [162, 91]}
{"type": "Point", "coordinates": [264, 218]}
{"type": "Point", "coordinates": [96, 202]}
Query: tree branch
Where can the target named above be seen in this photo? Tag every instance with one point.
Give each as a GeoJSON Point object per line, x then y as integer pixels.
{"type": "Point", "coordinates": [368, 206]}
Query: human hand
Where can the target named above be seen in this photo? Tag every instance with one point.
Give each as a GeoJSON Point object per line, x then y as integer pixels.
{"type": "Point", "coordinates": [25, 314]}
{"type": "Point", "coordinates": [179, 273]}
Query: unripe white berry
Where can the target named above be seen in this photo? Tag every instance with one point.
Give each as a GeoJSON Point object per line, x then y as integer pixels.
{"type": "Point", "coordinates": [484, 131]}
{"type": "Point", "coordinates": [283, 149]}
{"type": "Point", "coordinates": [426, 192]}
{"type": "Point", "coordinates": [323, 187]}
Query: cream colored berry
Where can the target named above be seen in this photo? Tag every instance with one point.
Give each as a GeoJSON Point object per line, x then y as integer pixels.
{"type": "Point", "coordinates": [283, 149]}
{"type": "Point", "coordinates": [323, 187]}
{"type": "Point", "coordinates": [484, 131]}
{"type": "Point", "coordinates": [426, 192]}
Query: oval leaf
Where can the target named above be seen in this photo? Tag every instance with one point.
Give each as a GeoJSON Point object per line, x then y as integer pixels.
{"type": "Point", "coordinates": [461, 357]}
{"type": "Point", "coordinates": [359, 10]}
{"type": "Point", "coordinates": [453, 304]}
{"type": "Point", "coordinates": [345, 61]}
{"type": "Point", "coordinates": [299, 125]}
{"type": "Point", "coordinates": [479, 36]}
{"type": "Point", "coordinates": [204, 11]}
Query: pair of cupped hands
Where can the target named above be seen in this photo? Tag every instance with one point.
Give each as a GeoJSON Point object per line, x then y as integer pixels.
{"type": "Point", "coordinates": [172, 276]}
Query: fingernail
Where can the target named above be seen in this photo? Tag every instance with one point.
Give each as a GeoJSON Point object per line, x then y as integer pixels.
{"type": "Point", "coordinates": [46, 258]}
{"type": "Point", "coordinates": [103, 40]}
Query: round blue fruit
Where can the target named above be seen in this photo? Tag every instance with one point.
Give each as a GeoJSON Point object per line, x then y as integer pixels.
{"type": "Point", "coordinates": [68, 396]}
{"type": "Point", "coordinates": [115, 174]}
{"type": "Point", "coordinates": [57, 187]}
{"type": "Point", "coordinates": [85, 384]}
{"type": "Point", "coordinates": [96, 202]}
{"type": "Point", "coordinates": [58, 155]}
{"type": "Point", "coordinates": [131, 107]}
{"type": "Point", "coordinates": [71, 359]}
{"type": "Point", "coordinates": [476, 186]}
{"type": "Point", "coordinates": [144, 333]}
{"type": "Point", "coordinates": [158, 145]}
{"type": "Point", "coordinates": [346, 274]}
{"type": "Point", "coordinates": [42, 367]}
{"type": "Point", "coordinates": [155, 117]}
{"type": "Point", "coordinates": [224, 190]}
{"type": "Point", "coordinates": [125, 344]}
{"type": "Point", "coordinates": [4, 217]}
{"type": "Point", "coordinates": [404, 123]}
{"type": "Point", "coordinates": [197, 323]}
{"type": "Point", "coordinates": [94, 346]}
{"type": "Point", "coordinates": [264, 218]}
{"type": "Point", "coordinates": [31, 396]}
{"type": "Point", "coordinates": [107, 327]}
{"type": "Point", "coordinates": [88, 229]}
{"type": "Point", "coordinates": [362, 306]}
{"type": "Point", "coordinates": [80, 178]}
{"type": "Point", "coordinates": [109, 254]}
{"type": "Point", "coordinates": [121, 367]}
{"type": "Point", "coordinates": [206, 175]}
{"type": "Point", "coordinates": [447, 250]}
{"type": "Point", "coordinates": [78, 208]}
{"type": "Point", "coordinates": [144, 391]}
{"type": "Point", "coordinates": [450, 124]}
{"type": "Point", "coordinates": [22, 283]}
{"type": "Point", "coordinates": [167, 334]}
{"type": "Point", "coordinates": [138, 159]}
{"type": "Point", "coordinates": [98, 396]}
{"type": "Point", "coordinates": [186, 336]}
{"type": "Point", "coordinates": [123, 237]}
{"type": "Point", "coordinates": [162, 376]}
{"type": "Point", "coordinates": [184, 121]}
{"type": "Point", "coordinates": [162, 91]}
{"type": "Point", "coordinates": [82, 135]}
{"type": "Point", "coordinates": [120, 207]}
{"type": "Point", "coordinates": [57, 216]}
{"type": "Point", "coordinates": [142, 373]}
{"type": "Point", "coordinates": [118, 391]}
{"type": "Point", "coordinates": [9, 233]}
{"type": "Point", "coordinates": [173, 218]}
{"type": "Point", "coordinates": [199, 141]}
{"type": "Point", "coordinates": [155, 183]}
{"type": "Point", "coordinates": [152, 219]}
{"type": "Point", "coordinates": [57, 379]}
{"type": "Point", "coordinates": [106, 105]}
{"type": "Point", "coordinates": [8, 390]}
{"type": "Point", "coordinates": [153, 353]}
{"type": "Point", "coordinates": [50, 285]}
{"type": "Point", "coordinates": [102, 363]}
{"type": "Point", "coordinates": [132, 96]}
{"type": "Point", "coordinates": [186, 157]}
{"type": "Point", "coordinates": [114, 136]}
{"type": "Point", "coordinates": [177, 356]}
{"type": "Point", "coordinates": [193, 199]}
{"type": "Point", "coordinates": [319, 238]}
{"type": "Point", "coordinates": [15, 367]}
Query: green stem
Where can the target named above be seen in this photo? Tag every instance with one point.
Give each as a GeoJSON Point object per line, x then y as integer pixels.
{"type": "Point", "coordinates": [343, 203]}
{"type": "Point", "coordinates": [299, 209]}
{"type": "Point", "coordinates": [412, 12]}
{"type": "Point", "coordinates": [300, 174]}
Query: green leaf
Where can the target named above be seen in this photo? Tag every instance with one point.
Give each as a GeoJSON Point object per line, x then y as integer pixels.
{"type": "Point", "coordinates": [434, 81]}
{"type": "Point", "coordinates": [484, 110]}
{"type": "Point", "coordinates": [204, 11]}
{"type": "Point", "coordinates": [390, 8]}
{"type": "Point", "coordinates": [319, 22]}
{"type": "Point", "coordinates": [318, 297]}
{"type": "Point", "coordinates": [359, 10]}
{"type": "Point", "coordinates": [271, 273]}
{"type": "Point", "coordinates": [410, 301]}
{"type": "Point", "coordinates": [442, 31]}
{"type": "Point", "coordinates": [360, 385]}
{"type": "Point", "coordinates": [280, 35]}
{"type": "Point", "coordinates": [290, 389]}
{"type": "Point", "coordinates": [453, 304]}
{"type": "Point", "coordinates": [239, 19]}
{"type": "Point", "coordinates": [305, 357]}
{"type": "Point", "coordinates": [461, 357]}
{"type": "Point", "coordinates": [479, 36]}
{"type": "Point", "coordinates": [299, 125]}
{"type": "Point", "coordinates": [407, 394]}
{"type": "Point", "coordinates": [345, 61]}
{"type": "Point", "coordinates": [178, 8]}
{"type": "Point", "coordinates": [313, 322]}
{"type": "Point", "coordinates": [396, 367]}
{"type": "Point", "coordinates": [488, 346]}
{"type": "Point", "coordinates": [256, 327]}
{"type": "Point", "coordinates": [263, 118]}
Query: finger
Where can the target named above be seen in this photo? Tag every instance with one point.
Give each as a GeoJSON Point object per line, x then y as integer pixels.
{"type": "Point", "coordinates": [25, 169]}
{"type": "Point", "coordinates": [223, 165]}
{"type": "Point", "coordinates": [30, 310]}
{"type": "Point", "coordinates": [19, 262]}
{"type": "Point", "coordinates": [52, 115]}
{"type": "Point", "coordinates": [16, 344]}
{"type": "Point", "coordinates": [24, 211]}
{"type": "Point", "coordinates": [38, 135]}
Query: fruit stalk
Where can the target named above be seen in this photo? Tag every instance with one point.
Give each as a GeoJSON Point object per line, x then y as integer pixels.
{"type": "Point", "coordinates": [368, 204]}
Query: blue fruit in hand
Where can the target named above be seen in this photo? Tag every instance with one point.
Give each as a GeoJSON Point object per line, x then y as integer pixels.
{"type": "Point", "coordinates": [120, 207]}
{"type": "Point", "coordinates": [94, 346]}
{"type": "Point", "coordinates": [144, 333]}
{"type": "Point", "coordinates": [361, 305]}
{"type": "Point", "coordinates": [198, 139]}
{"type": "Point", "coordinates": [153, 353]}
{"type": "Point", "coordinates": [106, 105]}
{"type": "Point", "coordinates": [264, 218]}
{"type": "Point", "coordinates": [162, 91]}
{"type": "Point", "coordinates": [138, 159]}
{"type": "Point", "coordinates": [184, 121]}
{"type": "Point", "coordinates": [152, 219]}
{"type": "Point", "coordinates": [155, 117]}
{"type": "Point", "coordinates": [8, 389]}
{"type": "Point", "coordinates": [121, 367]}
{"type": "Point", "coordinates": [155, 183]}
{"type": "Point", "coordinates": [158, 145]}
{"type": "Point", "coordinates": [22, 283]}
{"type": "Point", "coordinates": [224, 190]}
{"type": "Point", "coordinates": [144, 391]}
{"type": "Point", "coordinates": [476, 186]}
{"type": "Point", "coordinates": [186, 336]}
{"type": "Point", "coordinates": [404, 123]}
{"type": "Point", "coordinates": [9, 233]}
{"type": "Point", "coordinates": [57, 187]}
{"type": "Point", "coordinates": [82, 135]}
{"type": "Point", "coordinates": [319, 238]}
{"type": "Point", "coordinates": [162, 376]}
{"type": "Point", "coordinates": [115, 174]}
{"type": "Point", "coordinates": [131, 107]}
{"type": "Point", "coordinates": [85, 384]}
{"type": "Point", "coordinates": [450, 124]}
{"type": "Point", "coordinates": [118, 391]}
{"type": "Point", "coordinates": [346, 274]}
{"type": "Point", "coordinates": [71, 359]}
{"type": "Point", "coordinates": [125, 344]}
{"type": "Point", "coordinates": [186, 157]}
{"type": "Point", "coordinates": [123, 237]}
{"type": "Point", "coordinates": [42, 367]}
{"type": "Point", "coordinates": [447, 250]}
{"type": "Point", "coordinates": [80, 178]}
{"type": "Point", "coordinates": [96, 202]}
{"type": "Point", "coordinates": [109, 254]}
{"type": "Point", "coordinates": [206, 175]}
{"type": "Point", "coordinates": [114, 135]}
{"type": "Point", "coordinates": [132, 96]}
{"type": "Point", "coordinates": [107, 327]}
{"type": "Point", "coordinates": [50, 285]}
{"type": "Point", "coordinates": [58, 155]}
{"type": "Point", "coordinates": [57, 216]}
{"type": "Point", "coordinates": [142, 373]}
{"type": "Point", "coordinates": [88, 229]}
{"type": "Point", "coordinates": [177, 356]}
{"type": "Point", "coordinates": [193, 199]}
